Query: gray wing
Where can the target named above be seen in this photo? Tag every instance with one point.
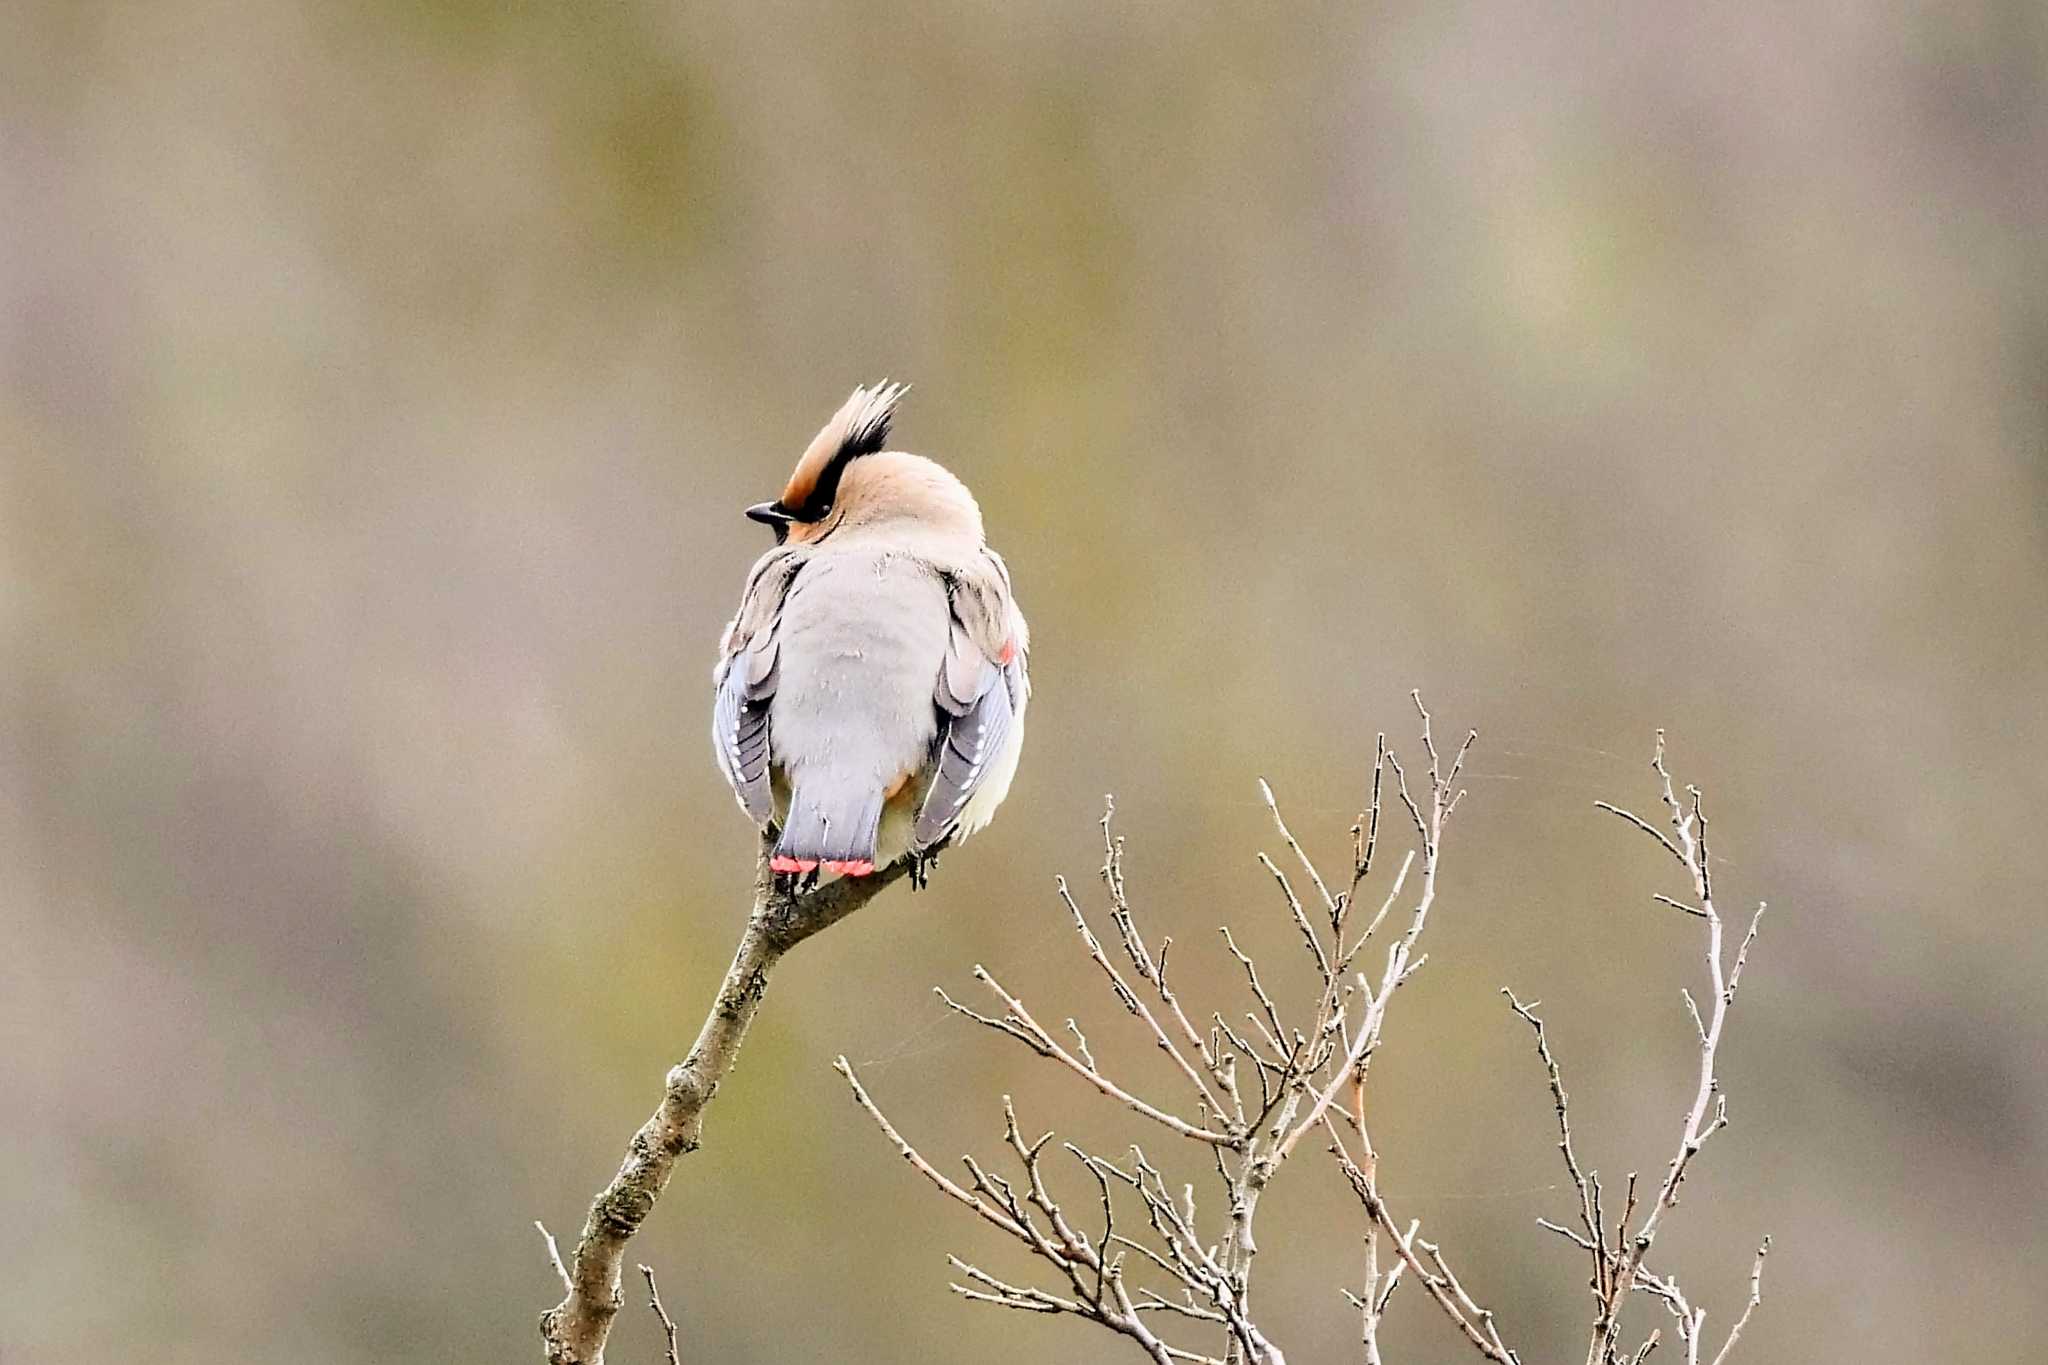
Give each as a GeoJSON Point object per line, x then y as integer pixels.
{"type": "Point", "coordinates": [749, 664]}
{"type": "Point", "coordinates": [981, 687]}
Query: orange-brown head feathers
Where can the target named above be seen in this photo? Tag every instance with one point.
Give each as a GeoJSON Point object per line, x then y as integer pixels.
{"type": "Point", "coordinates": [846, 479]}
{"type": "Point", "coordinates": [860, 427]}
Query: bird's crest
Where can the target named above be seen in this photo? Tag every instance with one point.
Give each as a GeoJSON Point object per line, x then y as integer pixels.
{"type": "Point", "coordinates": [860, 427]}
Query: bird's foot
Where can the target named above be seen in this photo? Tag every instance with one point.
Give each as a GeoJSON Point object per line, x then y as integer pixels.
{"type": "Point", "coordinates": [793, 876]}
{"type": "Point", "coordinates": [921, 864]}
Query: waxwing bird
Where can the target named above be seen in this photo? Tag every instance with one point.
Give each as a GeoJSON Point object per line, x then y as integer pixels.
{"type": "Point", "coordinates": [871, 688]}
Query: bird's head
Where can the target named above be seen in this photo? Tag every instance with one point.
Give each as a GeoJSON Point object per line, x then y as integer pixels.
{"type": "Point", "coordinates": [846, 481]}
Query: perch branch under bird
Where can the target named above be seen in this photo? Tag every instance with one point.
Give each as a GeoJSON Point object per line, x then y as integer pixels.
{"type": "Point", "coordinates": [575, 1330]}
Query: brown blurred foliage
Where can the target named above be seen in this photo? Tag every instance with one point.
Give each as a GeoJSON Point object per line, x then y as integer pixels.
{"type": "Point", "coordinates": [379, 387]}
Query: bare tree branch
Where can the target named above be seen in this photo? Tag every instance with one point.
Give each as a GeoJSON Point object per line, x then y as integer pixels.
{"type": "Point", "coordinates": [1618, 1266]}
{"type": "Point", "coordinates": [1301, 1072]}
{"type": "Point", "coordinates": [575, 1330]}
{"type": "Point", "coordinates": [1475, 1322]}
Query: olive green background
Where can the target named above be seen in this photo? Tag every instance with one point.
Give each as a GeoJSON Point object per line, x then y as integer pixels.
{"type": "Point", "coordinates": [380, 385]}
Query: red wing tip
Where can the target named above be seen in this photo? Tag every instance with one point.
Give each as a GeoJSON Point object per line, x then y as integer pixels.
{"type": "Point", "coordinates": [1009, 652]}
{"type": "Point", "coordinates": [855, 867]}
{"type": "Point", "coordinates": [783, 863]}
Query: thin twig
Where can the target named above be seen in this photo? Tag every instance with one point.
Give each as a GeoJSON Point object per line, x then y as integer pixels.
{"type": "Point", "coordinates": [1286, 834]}
{"type": "Point", "coordinates": [1047, 1046]}
{"type": "Point", "coordinates": [1756, 1296]}
{"type": "Point", "coordinates": [668, 1325]}
{"type": "Point", "coordinates": [1644, 825]}
{"type": "Point", "coordinates": [555, 1256]}
{"type": "Point", "coordinates": [1595, 1238]}
{"type": "Point", "coordinates": [924, 1168]}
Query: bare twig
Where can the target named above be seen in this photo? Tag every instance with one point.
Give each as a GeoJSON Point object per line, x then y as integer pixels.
{"type": "Point", "coordinates": [1756, 1296]}
{"type": "Point", "coordinates": [1045, 1045]}
{"type": "Point", "coordinates": [1644, 825]}
{"type": "Point", "coordinates": [1435, 1276]}
{"type": "Point", "coordinates": [1094, 1275]}
{"type": "Point", "coordinates": [925, 1168]}
{"type": "Point", "coordinates": [555, 1256]}
{"type": "Point", "coordinates": [1618, 1265]}
{"type": "Point", "coordinates": [668, 1325]}
{"type": "Point", "coordinates": [1315, 877]}
{"type": "Point", "coordinates": [1365, 834]}
{"type": "Point", "coordinates": [1595, 1237]}
{"type": "Point", "coordinates": [1152, 973]}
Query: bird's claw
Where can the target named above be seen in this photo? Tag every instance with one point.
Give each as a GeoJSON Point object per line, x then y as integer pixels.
{"type": "Point", "coordinates": [922, 862]}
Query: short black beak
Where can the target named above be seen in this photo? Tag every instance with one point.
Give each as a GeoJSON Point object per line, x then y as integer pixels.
{"type": "Point", "coordinates": [769, 514]}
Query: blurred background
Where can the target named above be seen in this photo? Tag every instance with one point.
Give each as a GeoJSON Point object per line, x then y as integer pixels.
{"type": "Point", "coordinates": [380, 385]}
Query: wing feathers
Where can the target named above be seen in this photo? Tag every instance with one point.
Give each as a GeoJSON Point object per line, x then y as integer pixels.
{"type": "Point", "coordinates": [977, 697]}
{"type": "Point", "coordinates": [748, 667]}
{"type": "Point", "coordinates": [961, 680]}
{"type": "Point", "coordinates": [971, 743]}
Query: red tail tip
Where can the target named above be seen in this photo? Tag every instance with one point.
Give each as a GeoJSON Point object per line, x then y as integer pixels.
{"type": "Point", "coordinates": [782, 862]}
{"type": "Point", "coordinates": [856, 867]}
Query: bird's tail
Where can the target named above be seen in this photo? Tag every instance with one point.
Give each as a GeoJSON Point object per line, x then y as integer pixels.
{"type": "Point", "coordinates": [832, 824]}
